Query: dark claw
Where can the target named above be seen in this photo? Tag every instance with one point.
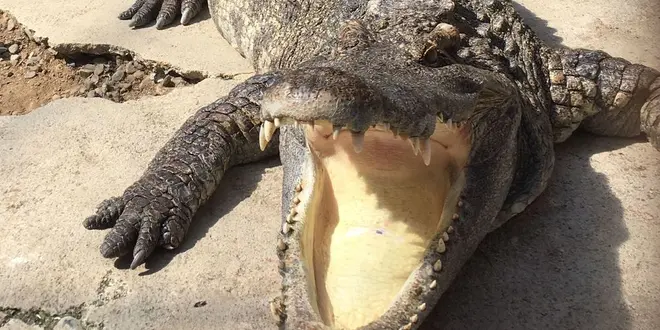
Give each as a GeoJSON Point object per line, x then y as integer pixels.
{"type": "Point", "coordinates": [106, 214]}
{"type": "Point", "coordinates": [190, 9]}
{"type": "Point", "coordinates": [147, 239]}
{"type": "Point", "coordinates": [138, 258]}
{"type": "Point", "coordinates": [128, 14]}
{"type": "Point", "coordinates": [122, 236]}
{"type": "Point", "coordinates": [168, 12]}
{"type": "Point", "coordinates": [146, 13]}
{"type": "Point", "coordinates": [174, 230]}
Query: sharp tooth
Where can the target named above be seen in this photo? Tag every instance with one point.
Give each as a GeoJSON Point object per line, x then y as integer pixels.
{"type": "Point", "coordinates": [335, 133]}
{"type": "Point", "coordinates": [269, 128]}
{"type": "Point", "coordinates": [281, 245]}
{"type": "Point", "coordinates": [412, 145]}
{"type": "Point", "coordinates": [277, 122]}
{"type": "Point", "coordinates": [358, 141]}
{"type": "Point", "coordinates": [449, 123]}
{"type": "Point", "coordinates": [262, 138]}
{"type": "Point", "coordinates": [415, 143]}
{"type": "Point", "coordinates": [386, 126]}
{"type": "Point", "coordinates": [309, 126]}
{"type": "Point", "coordinates": [442, 247]}
{"type": "Point", "coordinates": [426, 151]}
{"type": "Point", "coordinates": [437, 266]}
{"type": "Point", "coordinates": [296, 123]}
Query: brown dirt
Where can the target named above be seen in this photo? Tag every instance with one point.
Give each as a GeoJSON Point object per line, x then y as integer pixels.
{"type": "Point", "coordinates": [19, 92]}
{"type": "Point", "coordinates": [33, 74]}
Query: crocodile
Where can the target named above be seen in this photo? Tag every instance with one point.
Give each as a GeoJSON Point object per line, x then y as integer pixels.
{"type": "Point", "coordinates": [407, 130]}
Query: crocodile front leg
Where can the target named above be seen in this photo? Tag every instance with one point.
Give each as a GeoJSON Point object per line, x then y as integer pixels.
{"type": "Point", "coordinates": [158, 208]}
{"type": "Point", "coordinates": [143, 12]}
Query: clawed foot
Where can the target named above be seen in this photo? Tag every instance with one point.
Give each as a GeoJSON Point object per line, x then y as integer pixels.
{"type": "Point", "coordinates": [143, 12]}
{"type": "Point", "coordinates": [140, 221]}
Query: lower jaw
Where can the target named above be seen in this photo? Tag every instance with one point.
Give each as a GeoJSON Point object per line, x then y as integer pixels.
{"type": "Point", "coordinates": [361, 225]}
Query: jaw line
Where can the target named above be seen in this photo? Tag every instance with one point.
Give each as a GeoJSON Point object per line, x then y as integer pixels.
{"type": "Point", "coordinates": [307, 205]}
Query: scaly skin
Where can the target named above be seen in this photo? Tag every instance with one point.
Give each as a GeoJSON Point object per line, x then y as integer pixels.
{"type": "Point", "coordinates": [401, 63]}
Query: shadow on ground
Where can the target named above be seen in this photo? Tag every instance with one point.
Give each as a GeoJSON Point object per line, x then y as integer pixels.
{"type": "Point", "coordinates": [545, 32]}
{"type": "Point", "coordinates": [237, 185]}
{"type": "Point", "coordinates": [555, 266]}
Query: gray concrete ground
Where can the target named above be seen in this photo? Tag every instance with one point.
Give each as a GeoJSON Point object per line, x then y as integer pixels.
{"type": "Point", "coordinates": [584, 256]}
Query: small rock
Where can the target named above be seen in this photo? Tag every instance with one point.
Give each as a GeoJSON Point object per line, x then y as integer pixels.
{"type": "Point", "coordinates": [68, 323]}
{"type": "Point", "coordinates": [41, 40]}
{"type": "Point", "coordinates": [13, 49]}
{"type": "Point", "coordinates": [99, 91]}
{"type": "Point", "coordinates": [11, 24]}
{"type": "Point", "coordinates": [138, 75]}
{"type": "Point", "coordinates": [118, 75]}
{"type": "Point", "coordinates": [15, 57]}
{"type": "Point", "coordinates": [94, 79]}
{"type": "Point", "coordinates": [114, 95]}
{"type": "Point", "coordinates": [30, 74]}
{"type": "Point", "coordinates": [167, 81]}
{"type": "Point", "coordinates": [86, 71]}
{"type": "Point", "coordinates": [98, 69]}
{"type": "Point", "coordinates": [3, 49]}
{"type": "Point", "coordinates": [32, 60]}
{"type": "Point", "coordinates": [28, 33]}
{"type": "Point", "coordinates": [138, 65]}
{"type": "Point", "coordinates": [105, 87]}
{"type": "Point", "coordinates": [130, 68]}
{"type": "Point", "coordinates": [146, 82]}
{"type": "Point", "coordinates": [178, 81]}
{"type": "Point", "coordinates": [91, 93]}
{"type": "Point", "coordinates": [158, 75]}
{"type": "Point", "coordinates": [123, 87]}
{"type": "Point", "coordinates": [160, 90]}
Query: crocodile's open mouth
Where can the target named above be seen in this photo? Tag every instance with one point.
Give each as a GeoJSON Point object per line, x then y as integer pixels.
{"type": "Point", "coordinates": [369, 208]}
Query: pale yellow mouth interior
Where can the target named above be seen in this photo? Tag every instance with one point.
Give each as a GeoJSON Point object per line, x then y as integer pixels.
{"type": "Point", "coordinates": [372, 216]}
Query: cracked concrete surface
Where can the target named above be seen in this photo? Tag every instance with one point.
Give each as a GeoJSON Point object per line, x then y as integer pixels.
{"type": "Point", "coordinates": [95, 22]}
{"type": "Point", "coordinates": [584, 256]}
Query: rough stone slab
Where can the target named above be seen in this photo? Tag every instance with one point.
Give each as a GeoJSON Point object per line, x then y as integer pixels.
{"type": "Point", "coordinates": [196, 46]}
{"type": "Point", "coordinates": [59, 161]}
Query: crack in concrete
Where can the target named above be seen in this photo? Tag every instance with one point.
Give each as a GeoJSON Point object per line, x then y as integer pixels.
{"type": "Point", "coordinates": [47, 320]}
{"type": "Point", "coordinates": [109, 289]}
